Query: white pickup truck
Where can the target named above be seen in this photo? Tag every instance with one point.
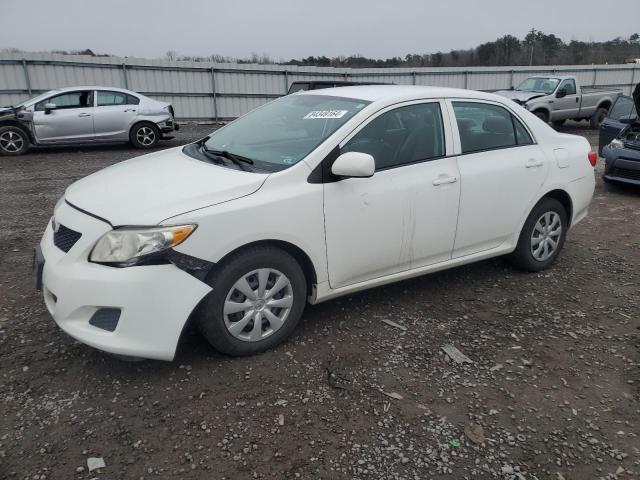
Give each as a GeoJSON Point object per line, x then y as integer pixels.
{"type": "Point", "coordinates": [556, 99]}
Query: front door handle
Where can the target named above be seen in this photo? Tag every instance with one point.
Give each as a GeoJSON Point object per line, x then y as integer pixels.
{"type": "Point", "coordinates": [130, 110]}
{"type": "Point", "coordinates": [533, 163]}
{"type": "Point", "coordinates": [84, 114]}
{"type": "Point", "coordinates": [443, 180]}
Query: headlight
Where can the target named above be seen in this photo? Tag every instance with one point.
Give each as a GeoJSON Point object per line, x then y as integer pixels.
{"type": "Point", "coordinates": [127, 246]}
{"type": "Point", "coordinates": [615, 143]}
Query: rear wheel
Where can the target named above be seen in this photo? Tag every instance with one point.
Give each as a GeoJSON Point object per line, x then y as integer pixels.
{"type": "Point", "coordinates": [257, 300]}
{"type": "Point", "coordinates": [144, 135]}
{"type": "Point", "coordinates": [542, 236]}
{"type": "Point", "coordinates": [13, 141]}
{"type": "Point", "coordinates": [598, 117]}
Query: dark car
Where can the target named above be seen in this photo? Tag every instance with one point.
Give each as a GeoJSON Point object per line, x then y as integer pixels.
{"type": "Point", "coordinates": [620, 140]}
{"type": "Point", "coordinates": [318, 84]}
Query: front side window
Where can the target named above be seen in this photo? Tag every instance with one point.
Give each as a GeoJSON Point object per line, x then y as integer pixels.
{"type": "Point", "coordinates": [80, 99]}
{"type": "Point", "coordinates": [106, 98]}
{"type": "Point", "coordinates": [483, 126]}
{"type": "Point", "coordinates": [539, 85]}
{"type": "Point", "coordinates": [404, 135]}
{"type": "Point", "coordinates": [624, 107]}
{"type": "Point", "coordinates": [284, 131]}
{"type": "Point", "coordinates": [569, 86]}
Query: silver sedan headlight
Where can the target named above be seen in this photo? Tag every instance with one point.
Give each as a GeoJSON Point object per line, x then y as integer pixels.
{"type": "Point", "coordinates": [127, 246]}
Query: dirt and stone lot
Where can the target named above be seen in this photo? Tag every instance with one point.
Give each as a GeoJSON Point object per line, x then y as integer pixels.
{"type": "Point", "coordinates": [552, 392]}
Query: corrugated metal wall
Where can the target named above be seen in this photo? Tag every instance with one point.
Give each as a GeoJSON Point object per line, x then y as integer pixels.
{"type": "Point", "coordinates": [207, 91]}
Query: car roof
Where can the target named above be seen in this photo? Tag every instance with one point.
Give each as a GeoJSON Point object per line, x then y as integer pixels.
{"type": "Point", "coordinates": [375, 93]}
{"type": "Point", "coordinates": [93, 87]}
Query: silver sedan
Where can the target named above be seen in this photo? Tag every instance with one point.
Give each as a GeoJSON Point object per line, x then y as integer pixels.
{"type": "Point", "coordinates": [84, 115]}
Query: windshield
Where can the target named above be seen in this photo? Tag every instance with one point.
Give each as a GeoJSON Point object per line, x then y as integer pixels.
{"type": "Point", "coordinates": [286, 130]}
{"type": "Point", "coordinates": [539, 85]}
{"type": "Point", "coordinates": [34, 99]}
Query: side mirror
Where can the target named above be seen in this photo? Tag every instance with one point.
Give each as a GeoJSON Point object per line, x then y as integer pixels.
{"type": "Point", "coordinates": [561, 93]}
{"type": "Point", "coordinates": [48, 107]}
{"type": "Point", "coordinates": [354, 164]}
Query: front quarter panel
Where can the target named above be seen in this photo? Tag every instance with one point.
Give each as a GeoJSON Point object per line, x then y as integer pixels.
{"type": "Point", "coordinates": [286, 208]}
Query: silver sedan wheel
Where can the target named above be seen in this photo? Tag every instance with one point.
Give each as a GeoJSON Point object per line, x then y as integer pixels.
{"type": "Point", "coordinates": [146, 136]}
{"type": "Point", "coordinates": [546, 236]}
{"type": "Point", "coordinates": [11, 142]}
{"type": "Point", "coordinates": [258, 304]}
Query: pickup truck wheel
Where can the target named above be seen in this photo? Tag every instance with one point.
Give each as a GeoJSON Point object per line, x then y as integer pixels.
{"type": "Point", "coordinates": [144, 135]}
{"type": "Point", "coordinates": [542, 115]}
{"type": "Point", "coordinates": [13, 141]}
{"type": "Point", "coordinates": [542, 236]}
{"type": "Point", "coordinates": [598, 117]}
{"type": "Point", "coordinates": [257, 300]}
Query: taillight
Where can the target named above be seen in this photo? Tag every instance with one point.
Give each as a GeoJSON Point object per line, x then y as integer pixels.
{"type": "Point", "coordinates": [593, 158]}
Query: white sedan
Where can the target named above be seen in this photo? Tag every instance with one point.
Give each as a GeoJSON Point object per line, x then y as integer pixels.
{"type": "Point", "coordinates": [312, 196]}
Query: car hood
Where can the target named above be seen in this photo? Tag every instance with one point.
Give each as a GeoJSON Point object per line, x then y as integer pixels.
{"type": "Point", "coordinates": [149, 189]}
{"type": "Point", "coordinates": [520, 97]}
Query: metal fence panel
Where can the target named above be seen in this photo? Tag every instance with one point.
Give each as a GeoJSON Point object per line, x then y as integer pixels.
{"type": "Point", "coordinates": [207, 91]}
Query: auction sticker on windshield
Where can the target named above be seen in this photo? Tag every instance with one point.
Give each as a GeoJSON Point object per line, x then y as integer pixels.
{"type": "Point", "coordinates": [325, 114]}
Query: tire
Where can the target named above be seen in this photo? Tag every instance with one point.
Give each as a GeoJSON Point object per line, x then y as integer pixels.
{"type": "Point", "coordinates": [234, 332]}
{"type": "Point", "coordinates": [558, 123]}
{"type": "Point", "coordinates": [546, 210]}
{"type": "Point", "coordinates": [144, 135]}
{"type": "Point", "coordinates": [13, 141]}
{"type": "Point", "coordinates": [542, 115]}
{"type": "Point", "coordinates": [598, 117]}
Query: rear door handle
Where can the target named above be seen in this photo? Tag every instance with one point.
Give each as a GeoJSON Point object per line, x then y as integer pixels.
{"type": "Point", "coordinates": [84, 114]}
{"type": "Point", "coordinates": [533, 163]}
{"type": "Point", "coordinates": [443, 180]}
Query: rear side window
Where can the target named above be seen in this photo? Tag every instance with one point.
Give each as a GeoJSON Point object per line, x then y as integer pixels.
{"type": "Point", "coordinates": [106, 99]}
{"type": "Point", "coordinates": [404, 135]}
{"type": "Point", "coordinates": [486, 127]}
{"type": "Point", "coordinates": [624, 107]}
{"type": "Point", "coordinates": [131, 100]}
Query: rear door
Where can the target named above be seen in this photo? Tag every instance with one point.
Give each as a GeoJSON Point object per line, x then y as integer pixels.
{"type": "Point", "coordinates": [71, 121]}
{"type": "Point", "coordinates": [622, 110]}
{"type": "Point", "coordinates": [502, 171]}
{"type": "Point", "coordinates": [115, 112]}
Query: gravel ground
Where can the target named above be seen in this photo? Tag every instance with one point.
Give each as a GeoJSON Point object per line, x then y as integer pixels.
{"type": "Point", "coordinates": [552, 392]}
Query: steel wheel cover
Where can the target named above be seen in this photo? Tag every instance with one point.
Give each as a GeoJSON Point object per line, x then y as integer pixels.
{"type": "Point", "coordinates": [545, 237]}
{"type": "Point", "coordinates": [258, 304]}
{"type": "Point", "coordinates": [11, 141]}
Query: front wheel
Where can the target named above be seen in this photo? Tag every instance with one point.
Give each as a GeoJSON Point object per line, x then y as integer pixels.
{"type": "Point", "coordinates": [257, 300]}
{"type": "Point", "coordinates": [542, 236]}
{"type": "Point", "coordinates": [144, 135]}
{"type": "Point", "coordinates": [13, 141]}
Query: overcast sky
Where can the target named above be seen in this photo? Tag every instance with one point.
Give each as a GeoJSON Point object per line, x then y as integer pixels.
{"type": "Point", "coordinates": [298, 28]}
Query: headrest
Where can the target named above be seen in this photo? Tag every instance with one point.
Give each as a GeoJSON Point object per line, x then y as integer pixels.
{"type": "Point", "coordinates": [497, 125]}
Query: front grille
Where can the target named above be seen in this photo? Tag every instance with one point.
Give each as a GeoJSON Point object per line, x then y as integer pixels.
{"type": "Point", "coordinates": [625, 173]}
{"type": "Point", "coordinates": [632, 146]}
{"type": "Point", "coordinates": [65, 238]}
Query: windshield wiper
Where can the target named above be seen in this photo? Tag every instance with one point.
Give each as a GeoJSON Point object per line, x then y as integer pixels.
{"type": "Point", "coordinates": [231, 156]}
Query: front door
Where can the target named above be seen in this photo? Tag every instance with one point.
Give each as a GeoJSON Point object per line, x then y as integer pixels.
{"type": "Point", "coordinates": [621, 114]}
{"type": "Point", "coordinates": [70, 121]}
{"type": "Point", "coordinates": [569, 105]}
{"type": "Point", "coordinates": [502, 171]}
{"type": "Point", "coordinates": [405, 215]}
